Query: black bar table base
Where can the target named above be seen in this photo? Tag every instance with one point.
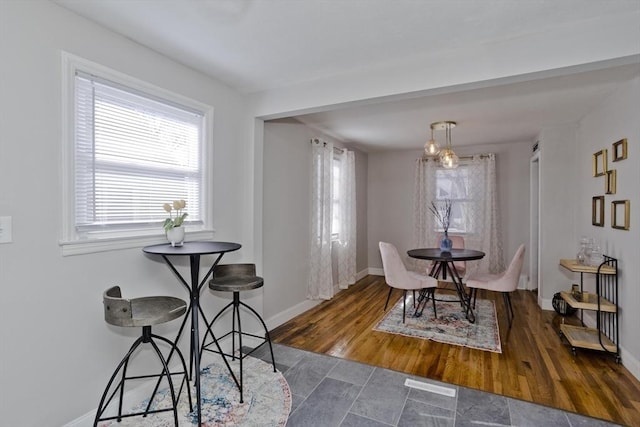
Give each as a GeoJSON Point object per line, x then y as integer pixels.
{"type": "Point", "coordinates": [194, 250]}
{"type": "Point", "coordinates": [444, 265]}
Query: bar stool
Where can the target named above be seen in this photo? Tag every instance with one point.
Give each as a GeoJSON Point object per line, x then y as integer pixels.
{"type": "Point", "coordinates": [142, 312]}
{"type": "Point", "coordinates": [236, 278]}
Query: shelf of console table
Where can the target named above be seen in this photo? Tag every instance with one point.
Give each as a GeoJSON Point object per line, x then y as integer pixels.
{"type": "Point", "coordinates": [589, 338]}
{"type": "Point", "coordinates": [590, 304]}
{"type": "Point", "coordinates": [572, 265]}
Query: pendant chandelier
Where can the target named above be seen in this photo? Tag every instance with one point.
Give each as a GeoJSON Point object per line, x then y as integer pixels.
{"type": "Point", "coordinates": [448, 159]}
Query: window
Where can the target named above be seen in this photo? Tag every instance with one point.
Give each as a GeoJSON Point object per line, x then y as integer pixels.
{"type": "Point", "coordinates": [131, 148]}
{"type": "Point", "coordinates": [454, 184]}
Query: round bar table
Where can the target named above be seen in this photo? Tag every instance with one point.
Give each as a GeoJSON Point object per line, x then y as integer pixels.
{"type": "Point", "coordinates": [444, 263]}
{"type": "Point", "coordinates": [194, 250]}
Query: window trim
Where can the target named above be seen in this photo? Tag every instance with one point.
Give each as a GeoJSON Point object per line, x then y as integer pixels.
{"type": "Point", "coordinates": [70, 242]}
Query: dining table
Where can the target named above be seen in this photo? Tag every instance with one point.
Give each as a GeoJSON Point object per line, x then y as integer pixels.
{"type": "Point", "coordinates": [444, 265]}
{"type": "Point", "coordinates": [194, 251]}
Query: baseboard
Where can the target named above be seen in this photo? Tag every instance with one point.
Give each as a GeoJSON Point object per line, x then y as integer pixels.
{"type": "Point", "coordinates": [362, 274]}
{"type": "Point", "coordinates": [137, 394]}
{"type": "Point", "coordinates": [376, 271]}
{"type": "Point", "coordinates": [547, 304]}
{"type": "Point", "coordinates": [290, 313]}
{"type": "Point", "coordinates": [84, 421]}
{"type": "Point", "coordinates": [631, 363]}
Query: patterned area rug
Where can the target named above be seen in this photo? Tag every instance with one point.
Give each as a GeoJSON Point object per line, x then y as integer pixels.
{"type": "Point", "coordinates": [451, 326]}
{"type": "Point", "coordinates": [267, 400]}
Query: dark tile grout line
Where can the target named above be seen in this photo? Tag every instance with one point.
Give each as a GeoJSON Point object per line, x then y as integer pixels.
{"type": "Point", "coordinates": [404, 404]}
{"type": "Point", "coordinates": [359, 393]}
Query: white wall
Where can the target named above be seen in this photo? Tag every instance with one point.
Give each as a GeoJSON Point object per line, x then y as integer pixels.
{"type": "Point", "coordinates": [558, 197]}
{"type": "Point", "coordinates": [390, 202]}
{"type": "Point", "coordinates": [391, 187]}
{"type": "Point", "coordinates": [286, 213]}
{"type": "Point", "coordinates": [56, 351]}
{"type": "Point", "coordinates": [615, 119]}
{"type": "Point", "coordinates": [286, 220]}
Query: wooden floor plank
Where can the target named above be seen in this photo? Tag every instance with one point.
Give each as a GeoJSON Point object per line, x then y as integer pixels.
{"type": "Point", "coordinates": [536, 364]}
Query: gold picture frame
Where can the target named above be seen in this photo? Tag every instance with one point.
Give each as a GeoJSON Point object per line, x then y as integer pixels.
{"type": "Point", "coordinates": [600, 163]}
{"type": "Point", "coordinates": [610, 182]}
{"type": "Point", "coordinates": [620, 218]}
{"type": "Point", "coordinates": [619, 150]}
{"type": "Point", "coordinates": [597, 211]}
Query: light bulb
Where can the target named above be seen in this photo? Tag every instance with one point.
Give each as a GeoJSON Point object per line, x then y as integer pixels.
{"type": "Point", "coordinates": [452, 160]}
{"type": "Point", "coordinates": [448, 159]}
{"type": "Point", "coordinates": [431, 148]}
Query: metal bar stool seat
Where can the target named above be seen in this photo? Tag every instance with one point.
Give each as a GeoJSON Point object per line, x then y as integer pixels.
{"type": "Point", "coordinates": [142, 312]}
{"type": "Point", "coordinates": [236, 278]}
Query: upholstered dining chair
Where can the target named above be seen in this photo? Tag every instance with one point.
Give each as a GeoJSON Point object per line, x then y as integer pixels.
{"type": "Point", "coordinates": [505, 282]}
{"type": "Point", "coordinates": [397, 276]}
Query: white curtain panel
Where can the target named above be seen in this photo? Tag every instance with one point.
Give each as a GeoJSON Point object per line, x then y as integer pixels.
{"type": "Point", "coordinates": [475, 178]}
{"type": "Point", "coordinates": [425, 190]}
{"type": "Point", "coordinates": [484, 214]}
{"type": "Point", "coordinates": [425, 234]}
{"type": "Point", "coordinates": [346, 245]}
{"type": "Point", "coordinates": [320, 275]}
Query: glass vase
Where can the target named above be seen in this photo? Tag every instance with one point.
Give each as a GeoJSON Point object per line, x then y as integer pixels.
{"type": "Point", "coordinates": [445, 243]}
{"type": "Point", "coordinates": [596, 257]}
{"type": "Point", "coordinates": [581, 257]}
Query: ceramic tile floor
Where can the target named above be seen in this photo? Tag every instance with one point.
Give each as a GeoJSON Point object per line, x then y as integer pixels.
{"type": "Point", "coordinates": [328, 391]}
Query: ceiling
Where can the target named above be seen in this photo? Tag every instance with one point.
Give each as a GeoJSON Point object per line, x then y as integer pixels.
{"type": "Point", "coordinates": [264, 45]}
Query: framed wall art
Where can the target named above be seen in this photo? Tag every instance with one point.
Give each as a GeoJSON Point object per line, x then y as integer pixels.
{"type": "Point", "coordinates": [620, 215]}
{"type": "Point", "coordinates": [619, 150]}
{"type": "Point", "coordinates": [600, 163]}
{"type": "Point", "coordinates": [597, 211]}
{"type": "Point", "coordinates": [610, 183]}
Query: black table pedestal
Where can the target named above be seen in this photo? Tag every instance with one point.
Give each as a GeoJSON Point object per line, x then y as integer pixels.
{"type": "Point", "coordinates": [443, 265]}
{"type": "Point", "coordinates": [194, 250]}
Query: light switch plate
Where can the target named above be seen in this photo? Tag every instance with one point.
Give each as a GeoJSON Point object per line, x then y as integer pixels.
{"type": "Point", "coordinates": [5, 229]}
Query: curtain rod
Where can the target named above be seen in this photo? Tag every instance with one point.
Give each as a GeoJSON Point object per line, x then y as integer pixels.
{"type": "Point", "coordinates": [317, 141]}
{"type": "Point", "coordinates": [482, 156]}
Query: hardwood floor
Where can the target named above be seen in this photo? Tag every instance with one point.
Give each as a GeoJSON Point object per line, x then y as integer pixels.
{"type": "Point", "coordinates": [536, 365]}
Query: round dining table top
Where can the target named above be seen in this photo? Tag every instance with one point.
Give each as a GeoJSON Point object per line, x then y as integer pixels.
{"type": "Point", "coordinates": [192, 248]}
{"type": "Point", "coordinates": [435, 254]}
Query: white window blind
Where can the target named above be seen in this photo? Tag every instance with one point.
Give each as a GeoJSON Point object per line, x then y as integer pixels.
{"type": "Point", "coordinates": [133, 153]}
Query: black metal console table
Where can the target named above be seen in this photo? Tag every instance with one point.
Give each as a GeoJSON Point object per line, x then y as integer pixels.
{"type": "Point", "coordinates": [604, 337]}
